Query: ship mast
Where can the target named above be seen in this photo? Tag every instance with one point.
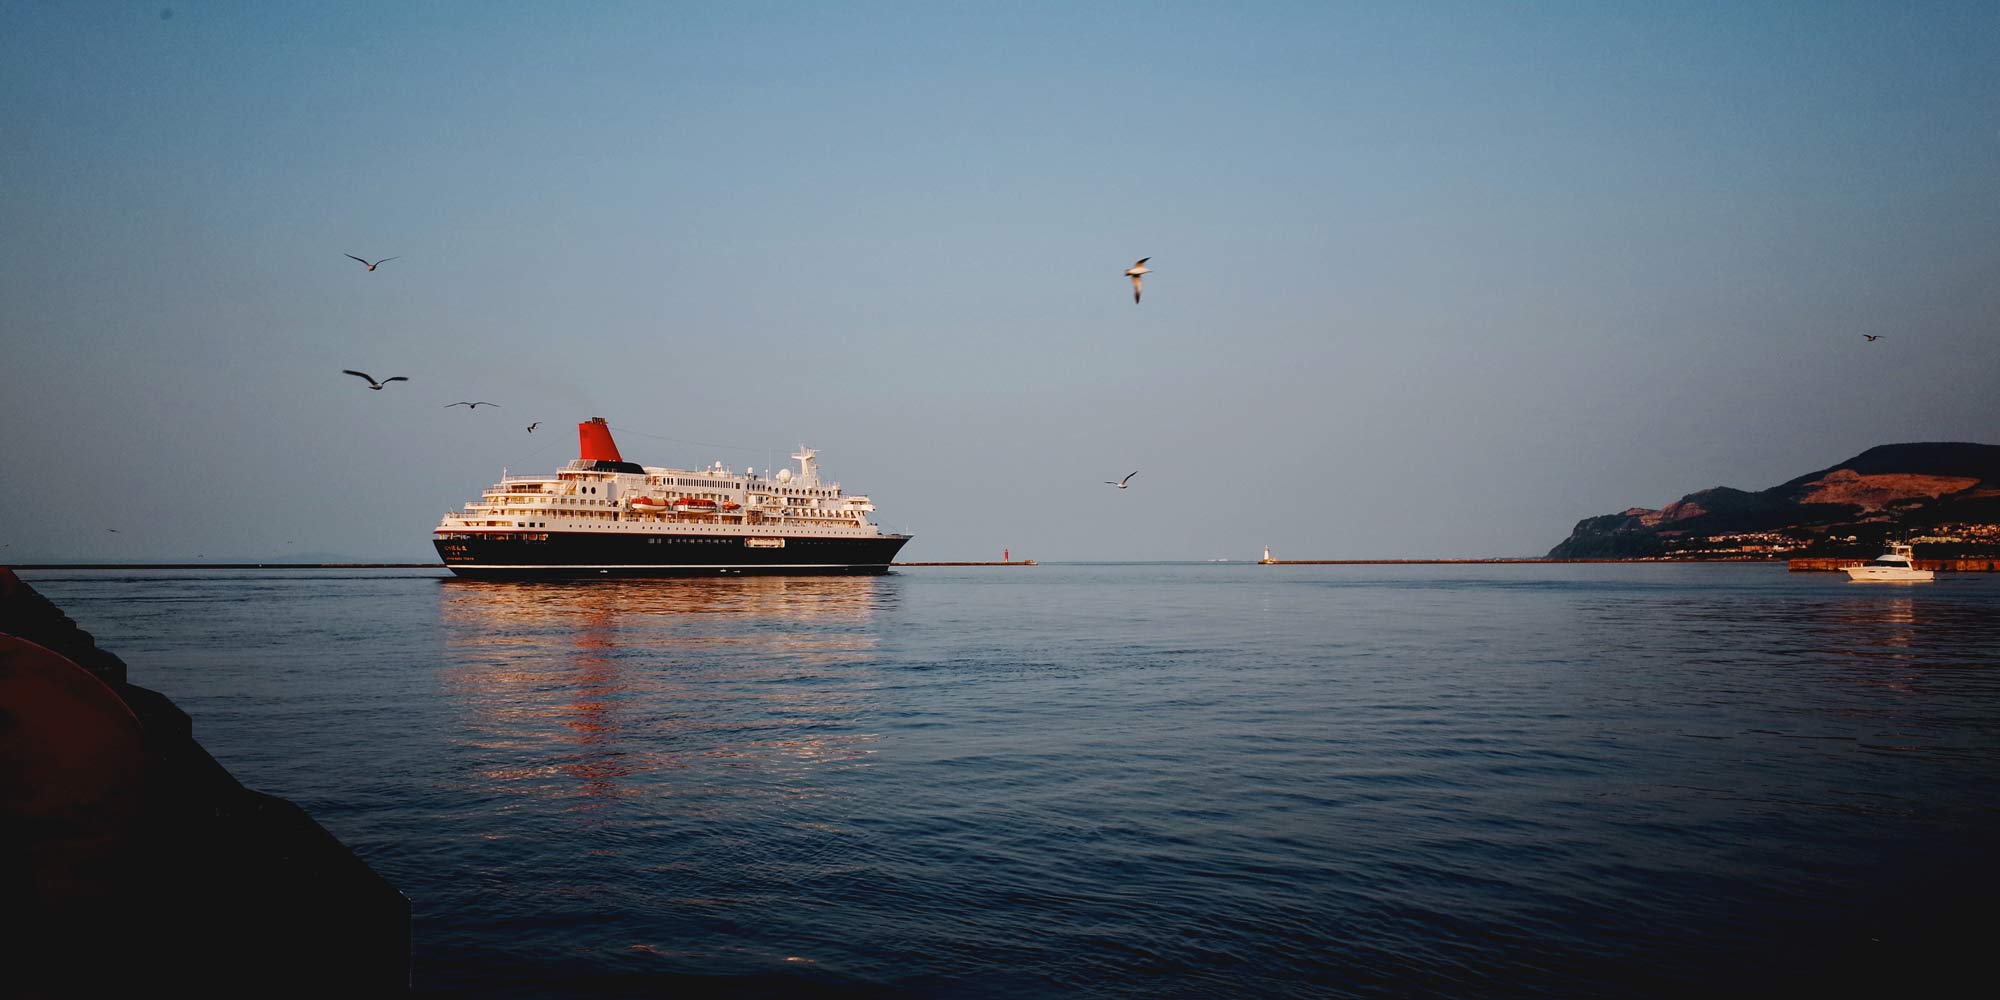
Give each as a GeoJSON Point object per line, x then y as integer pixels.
{"type": "Point", "coordinates": [807, 475]}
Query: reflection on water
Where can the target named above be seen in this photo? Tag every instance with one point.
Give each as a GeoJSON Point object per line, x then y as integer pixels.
{"type": "Point", "coordinates": [780, 598]}
{"type": "Point", "coordinates": [1890, 621]}
{"type": "Point", "coordinates": [1833, 667]}
{"type": "Point", "coordinates": [582, 691]}
{"type": "Point", "coordinates": [1902, 639]}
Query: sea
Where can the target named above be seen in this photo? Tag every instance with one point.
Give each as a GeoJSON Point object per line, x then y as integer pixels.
{"type": "Point", "coordinates": [1122, 780]}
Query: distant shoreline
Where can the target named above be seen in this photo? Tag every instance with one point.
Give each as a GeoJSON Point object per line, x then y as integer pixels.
{"type": "Point", "coordinates": [1016, 562]}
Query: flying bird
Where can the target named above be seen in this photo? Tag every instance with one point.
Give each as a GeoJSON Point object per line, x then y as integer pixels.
{"type": "Point", "coordinates": [1874, 336]}
{"type": "Point", "coordinates": [372, 384]}
{"type": "Point", "coordinates": [470, 406]}
{"type": "Point", "coordinates": [373, 266]}
{"type": "Point", "coordinates": [531, 427]}
{"type": "Point", "coordinates": [112, 530]}
{"type": "Point", "coordinates": [1134, 272]}
{"type": "Point", "coordinates": [1128, 477]}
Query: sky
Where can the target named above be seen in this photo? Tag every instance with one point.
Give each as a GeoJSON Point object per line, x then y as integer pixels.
{"type": "Point", "coordinates": [1431, 280]}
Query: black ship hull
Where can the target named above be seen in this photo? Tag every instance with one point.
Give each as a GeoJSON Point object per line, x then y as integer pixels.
{"type": "Point", "coordinates": [541, 555]}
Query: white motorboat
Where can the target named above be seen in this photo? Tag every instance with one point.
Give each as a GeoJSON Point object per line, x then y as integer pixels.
{"type": "Point", "coordinates": [1893, 566]}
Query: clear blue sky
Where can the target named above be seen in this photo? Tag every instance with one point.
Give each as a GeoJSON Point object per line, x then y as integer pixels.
{"type": "Point", "coordinates": [1431, 279]}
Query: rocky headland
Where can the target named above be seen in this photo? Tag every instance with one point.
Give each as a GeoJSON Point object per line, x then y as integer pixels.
{"type": "Point", "coordinates": [1942, 496]}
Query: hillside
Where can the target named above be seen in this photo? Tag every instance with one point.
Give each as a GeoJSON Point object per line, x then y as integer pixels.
{"type": "Point", "coordinates": [1945, 496]}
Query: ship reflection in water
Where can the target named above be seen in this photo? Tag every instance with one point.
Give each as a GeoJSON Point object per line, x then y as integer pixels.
{"type": "Point", "coordinates": [578, 693]}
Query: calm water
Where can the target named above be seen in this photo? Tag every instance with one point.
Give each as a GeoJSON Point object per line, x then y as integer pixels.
{"type": "Point", "coordinates": [1121, 781]}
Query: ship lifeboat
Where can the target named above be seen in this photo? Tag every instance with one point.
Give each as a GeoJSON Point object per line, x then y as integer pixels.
{"type": "Point", "coordinates": [731, 505]}
{"type": "Point", "coordinates": [694, 505]}
{"type": "Point", "coordinates": [646, 505]}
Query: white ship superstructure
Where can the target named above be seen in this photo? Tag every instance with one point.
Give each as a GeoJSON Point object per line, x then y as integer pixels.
{"type": "Point", "coordinates": [599, 513]}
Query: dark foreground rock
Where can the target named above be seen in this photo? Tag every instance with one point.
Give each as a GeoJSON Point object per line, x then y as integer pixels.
{"type": "Point", "coordinates": [132, 863]}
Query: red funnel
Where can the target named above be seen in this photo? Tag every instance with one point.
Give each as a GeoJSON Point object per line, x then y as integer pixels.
{"type": "Point", "coordinates": [593, 441]}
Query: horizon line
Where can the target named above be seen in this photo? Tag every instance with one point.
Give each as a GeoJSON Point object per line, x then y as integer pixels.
{"type": "Point", "coordinates": [1483, 560]}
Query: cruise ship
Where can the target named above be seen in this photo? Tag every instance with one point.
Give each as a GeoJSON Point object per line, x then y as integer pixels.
{"type": "Point", "coordinates": [600, 515]}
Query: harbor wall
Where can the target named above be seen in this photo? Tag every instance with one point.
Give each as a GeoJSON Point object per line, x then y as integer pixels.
{"type": "Point", "coordinates": [135, 864]}
{"type": "Point", "coordinates": [1825, 564]}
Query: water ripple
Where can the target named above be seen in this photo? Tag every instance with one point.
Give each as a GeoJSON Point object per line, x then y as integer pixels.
{"type": "Point", "coordinates": [1122, 781]}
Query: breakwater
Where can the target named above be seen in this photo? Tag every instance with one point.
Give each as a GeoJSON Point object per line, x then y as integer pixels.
{"type": "Point", "coordinates": [1011, 562]}
{"type": "Point", "coordinates": [1447, 562]}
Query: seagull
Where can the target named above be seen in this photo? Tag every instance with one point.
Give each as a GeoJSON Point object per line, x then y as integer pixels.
{"type": "Point", "coordinates": [373, 266]}
{"type": "Point", "coordinates": [1128, 476]}
{"type": "Point", "coordinates": [531, 427]}
{"type": "Point", "coordinates": [1134, 272]}
{"type": "Point", "coordinates": [471, 406]}
{"type": "Point", "coordinates": [372, 384]}
{"type": "Point", "coordinates": [1874, 336]}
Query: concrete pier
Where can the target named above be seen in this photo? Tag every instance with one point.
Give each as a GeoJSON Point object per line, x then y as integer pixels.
{"type": "Point", "coordinates": [134, 864]}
